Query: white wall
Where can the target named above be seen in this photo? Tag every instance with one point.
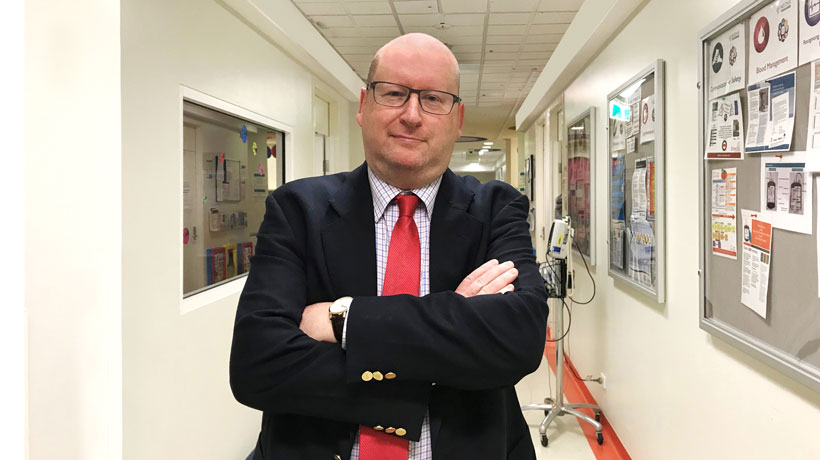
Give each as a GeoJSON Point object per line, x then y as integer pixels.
{"type": "Point", "coordinates": [674, 392]}
{"type": "Point", "coordinates": [73, 229]}
{"type": "Point", "coordinates": [176, 398]}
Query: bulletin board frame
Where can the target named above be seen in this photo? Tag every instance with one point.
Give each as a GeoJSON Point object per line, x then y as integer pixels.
{"type": "Point", "coordinates": [788, 247]}
{"type": "Point", "coordinates": [657, 291]}
{"type": "Point", "coordinates": [589, 118]}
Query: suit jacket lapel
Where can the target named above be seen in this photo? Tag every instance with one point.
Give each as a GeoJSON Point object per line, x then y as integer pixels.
{"type": "Point", "coordinates": [455, 235]}
{"type": "Point", "coordinates": [349, 238]}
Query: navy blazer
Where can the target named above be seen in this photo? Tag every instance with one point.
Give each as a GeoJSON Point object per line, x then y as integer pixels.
{"type": "Point", "coordinates": [458, 357]}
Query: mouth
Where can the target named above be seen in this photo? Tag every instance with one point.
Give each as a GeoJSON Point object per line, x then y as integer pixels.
{"type": "Point", "coordinates": [406, 139]}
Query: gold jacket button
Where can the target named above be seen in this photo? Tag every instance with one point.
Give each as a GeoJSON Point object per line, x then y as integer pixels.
{"type": "Point", "coordinates": [367, 376]}
{"type": "Point", "coordinates": [378, 376]}
{"type": "Point", "coordinates": [337, 457]}
{"type": "Point", "coordinates": [401, 432]}
{"type": "Point", "coordinates": [378, 428]}
{"type": "Point", "coordinates": [390, 375]}
{"type": "Point", "coordinates": [390, 430]}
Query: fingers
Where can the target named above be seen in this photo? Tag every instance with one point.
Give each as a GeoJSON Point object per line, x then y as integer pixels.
{"type": "Point", "coordinates": [490, 278]}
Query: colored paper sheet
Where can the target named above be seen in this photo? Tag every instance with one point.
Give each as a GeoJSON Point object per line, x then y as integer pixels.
{"type": "Point", "coordinates": [727, 65]}
{"type": "Point", "coordinates": [757, 258]}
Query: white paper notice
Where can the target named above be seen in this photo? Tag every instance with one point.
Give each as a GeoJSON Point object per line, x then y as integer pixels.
{"type": "Point", "coordinates": [648, 119]}
{"type": "Point", "coordinates": [617, 134]}
{"type": "Point", "coordinates": [786, 192]}
{"type": "Point", "coordinates": [639, 190]}
{"type": "Point", "coordinates": [773, 32]}
{"type": "Point", "coordinates": [757, 257]}
{"type": "Point", "coordinates": [728, 62]}
{"type": "Point", "coordinates": [771, 115]}
{"type": "Point", "coordinates": [724, 217]}
{"type": "Point", "coordinates": [813, 136]}
{"type": "Point", "coordinates": [809, 13]}
{"type": "Point", "coordinates": [725, 128]}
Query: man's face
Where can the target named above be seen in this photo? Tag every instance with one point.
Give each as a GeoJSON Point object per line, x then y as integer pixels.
{"type": "Point", "coordinates": [406, 146]}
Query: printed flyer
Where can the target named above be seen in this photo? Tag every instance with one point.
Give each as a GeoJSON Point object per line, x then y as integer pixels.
{"type": "Point", "coordinates": [757, 257]}
{"type": "Point", "coordinates": [771, 115]}
{"type": "Point", "coordinates": [773, 40]}
{"type": "Point", "coordinates": [725, 129]}
{"type": "Point", "coordinates": [724, 217]}
{"type": "Point", "coordinates": [809, 13]}
{"type": "Point", "coordinates": [727, 66]}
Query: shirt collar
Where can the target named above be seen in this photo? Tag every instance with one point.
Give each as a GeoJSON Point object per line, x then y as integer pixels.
{"type": "Point", "coordinates": [383, 193]}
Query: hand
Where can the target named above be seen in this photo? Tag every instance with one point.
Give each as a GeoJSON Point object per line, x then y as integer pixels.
{"type": "Point", "coordinates": [490, 278]}
{"type": "Point", "coordinates": [316, 322]}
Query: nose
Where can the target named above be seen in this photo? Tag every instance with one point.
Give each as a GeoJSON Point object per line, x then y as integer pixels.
{"type": "Point", "coordinates": [411, 115]}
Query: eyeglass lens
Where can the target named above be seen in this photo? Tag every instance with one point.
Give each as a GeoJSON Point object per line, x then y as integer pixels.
{"type": "Point", "coordinates": [392, 95]}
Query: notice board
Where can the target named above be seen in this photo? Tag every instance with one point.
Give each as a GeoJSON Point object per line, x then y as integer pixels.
{"type": "Point", "coordinates": [785, 331]}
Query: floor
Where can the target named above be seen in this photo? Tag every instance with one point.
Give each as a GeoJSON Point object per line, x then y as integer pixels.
{"type": "Point", "coordinates": [567, 440]}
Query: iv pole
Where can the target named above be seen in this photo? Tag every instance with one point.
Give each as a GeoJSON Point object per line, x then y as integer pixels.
{"type": "Point", "coordinates": [559, 288]}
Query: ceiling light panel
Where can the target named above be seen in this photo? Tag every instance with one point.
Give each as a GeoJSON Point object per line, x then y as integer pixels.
{"type": "Point", "coordinates": [507, 30]}
{"type": "Point", "coordinates": [464, 6]}
{"type": "Point", "coordinates": [501, 56]}
{"type": "Point", "coordinates": [420, 20]}
{"type": "Point", "coordinates": [374, 20]}
{"type": "Point", "coordinates": [468, 40]}
{"type": "Point", "coordinates": [464, 19]}
{"type": "Point", "coordinates": [332, 21]}
{"type": "Point", "coordinates": [363, 32]}
{"type": "Point", "coordinates": [368, 7]}
{"type": "Point", "coordinates": [543, 38]}
{"type": "Point", "coordinates": [322, 8]}
{"type": "Point", "coordinates": [415, 6]}
{"type": "Point", "coordinates": [503, 48]}
{"type": "Point", "coordinates": [560, 5]}
{"type": "Point", "coordinates": [548, 28]}
{"type": "Point", "coordinates": [505, 39]}
{"type": "Point", "coordinates": [510, 18]}
{"type": "Point", "coordinates": [512, 6]}
{"type": "Point", "coordinates": [564, 17]}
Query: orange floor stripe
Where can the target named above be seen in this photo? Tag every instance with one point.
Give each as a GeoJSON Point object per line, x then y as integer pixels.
{"type": "Point", "coordinates": [576, 391]}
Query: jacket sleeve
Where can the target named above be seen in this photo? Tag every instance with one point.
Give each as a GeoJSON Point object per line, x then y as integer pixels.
{"type": "Point", "coordinates": [275, 367]}
{"type": "Point", "coordinates": [474, 343]}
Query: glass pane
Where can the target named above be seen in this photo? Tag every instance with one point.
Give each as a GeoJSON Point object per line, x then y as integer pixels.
{"type": "Point", "coordinates": [229, 166]}
{"type": "Point", "coordinates": [579, 181]}
{"type": "Point", "coordinates": [632, 242]}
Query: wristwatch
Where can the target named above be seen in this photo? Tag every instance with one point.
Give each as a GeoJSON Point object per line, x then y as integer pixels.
{"type": "Point", "coordinates": [338, 314]}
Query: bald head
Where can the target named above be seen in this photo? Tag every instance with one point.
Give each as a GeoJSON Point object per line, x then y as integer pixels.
{"type": "Point", "coordinates": [419, 43]}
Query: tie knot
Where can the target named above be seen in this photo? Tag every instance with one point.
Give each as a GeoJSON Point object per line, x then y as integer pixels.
{"type": "Point", "coordinates": [407, 204]}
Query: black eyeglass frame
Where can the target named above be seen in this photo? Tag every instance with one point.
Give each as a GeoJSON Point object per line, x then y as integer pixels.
{"type": "Point", "coordinates": [411, 91]}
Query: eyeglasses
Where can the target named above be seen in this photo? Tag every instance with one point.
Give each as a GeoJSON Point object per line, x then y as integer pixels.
{"type": "Point", "coordinates": [395, 95]}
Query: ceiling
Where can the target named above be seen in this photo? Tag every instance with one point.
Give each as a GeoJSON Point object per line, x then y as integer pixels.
{"type": "Point", "coordinates": [501, 45]}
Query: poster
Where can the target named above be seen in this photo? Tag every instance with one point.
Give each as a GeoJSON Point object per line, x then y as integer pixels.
{"type": "Point", "coordinates": [786, 192]}
{"type": "Point", "coordinates": [757, 257]}
{"type": "Point", "coordinates": [639, 200]}
{"type": "Point", "coordinates": [641, 251]}
{"type": "Point", "coordinates": [813, 136]}
{"type": "Point", "coordinates": [727, 65]}
{"type": "Point", "coordinates": [650, 188]}
{"type": "Point", "coordinates": [809, 47]}
{"type": "Point", "coordinates": [773, 40]}
{"type": "Point", "coordinates": [771, 115]}
{"type": "Point", "coordinates": [633, 126]}
{"type": "Point", "coordinates": [725, 128]}
{"type": "Point", "coordinates": [724, 212]}
{"type": "Point", "coordinates": [616, 244]}
{"type": "Point", "coordinates": [648, 119]}
{"type": "Point", "coordinates": [617, 188]}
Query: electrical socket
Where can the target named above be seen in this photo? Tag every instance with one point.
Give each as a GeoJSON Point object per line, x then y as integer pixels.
{"type": "Point", "coordinates": [603, 380]}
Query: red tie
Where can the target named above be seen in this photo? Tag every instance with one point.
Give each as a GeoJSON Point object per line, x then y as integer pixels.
{"type": "Point", "coordinates": [400, 277]}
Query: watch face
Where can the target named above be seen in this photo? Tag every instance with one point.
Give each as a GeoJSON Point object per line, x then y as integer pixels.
{"type": "Point", "coordinates": [337, 308]}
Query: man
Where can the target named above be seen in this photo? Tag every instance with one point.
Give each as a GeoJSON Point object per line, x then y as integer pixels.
{"type": "Point", "coordinates": [399, 261]}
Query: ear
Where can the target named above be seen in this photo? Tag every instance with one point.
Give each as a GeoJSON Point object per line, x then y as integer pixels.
{"type": "Point", "coordinates": [460, 117]}
{"type": "Point", "coordinates": [361, 106]}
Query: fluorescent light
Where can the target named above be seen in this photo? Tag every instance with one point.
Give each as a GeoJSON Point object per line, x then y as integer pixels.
{"type": "Point", "coordinates": [482, 151]}
{"type": "Point", "coordinates": [488, 143]}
